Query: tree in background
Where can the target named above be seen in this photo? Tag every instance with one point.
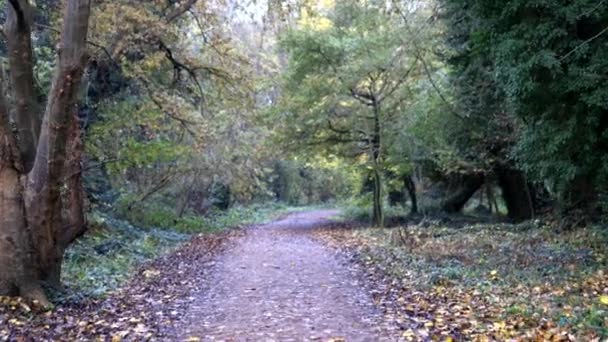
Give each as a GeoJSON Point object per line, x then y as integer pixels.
{"type": "Point", "coordinates": [346, 84]}
{"type": "Point", "coordinates": [542, 67]}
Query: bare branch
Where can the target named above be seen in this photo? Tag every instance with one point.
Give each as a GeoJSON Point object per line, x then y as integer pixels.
{"type": "Point", "coordinates": [425, 65]}
{"type": "Point", "coordinates": [583, 44]}
{"type": "Point", "coordinates": [399, 82]}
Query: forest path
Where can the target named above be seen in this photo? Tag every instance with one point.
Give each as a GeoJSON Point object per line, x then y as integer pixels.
{"type": "Point", "coordinates": [277, 283]}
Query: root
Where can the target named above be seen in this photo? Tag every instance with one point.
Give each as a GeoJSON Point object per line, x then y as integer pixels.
{"type": "Point", "coordinates": [35, 294]}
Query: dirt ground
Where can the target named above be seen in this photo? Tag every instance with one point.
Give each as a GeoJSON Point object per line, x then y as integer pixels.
{"type": "Point", "coordinates": [277, 283]}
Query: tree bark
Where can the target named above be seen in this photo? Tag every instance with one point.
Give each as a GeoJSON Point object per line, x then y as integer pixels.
{"type": "Point", "coordinates": [516, 194]}
{"type": "Point", "coordinates": [378, 212]}
{"type": "Point", "coordinates": [74, 198]}
{"type": "Point", "coordinates": [376, 145]}
{"type": "Point", "coordinates": [26, 112]}
{"type": "Point", "coordinates": [12, 220]}
{"type": "Point", "coordinates": [467, 187]}
{"type": "Point", "coordinates": [16, 257]}
{"type": "Point", "coordinates": [33, 230]}
{"type": "Point", "coordinates": [43, 200]}
{"type": "Point", "coordinates": [491, 199]}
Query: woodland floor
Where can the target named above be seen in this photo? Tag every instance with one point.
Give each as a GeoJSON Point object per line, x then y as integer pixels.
{"type": "Point", "coordinates": [307, 277]}
{"type": "Point", "coordinates": [267, 282]}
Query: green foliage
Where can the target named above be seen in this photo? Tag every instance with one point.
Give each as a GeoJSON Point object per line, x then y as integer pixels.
{"type": "Point", "coordinates": [358, 209]}
{"type": "Point", "coordinates": [147, 138]}
{"type": "Point", "coordinates": [543, 63]}
{"type": "Point", "coordinates": [351, 84]}
{"type": "Point", "coordinates": [318, 181]}
{"type": "Point", "coordinates": [328, 65]}
{"type": "Point", "coordinates": [162, 216]}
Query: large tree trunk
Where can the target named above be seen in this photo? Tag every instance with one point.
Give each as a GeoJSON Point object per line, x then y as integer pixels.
{"type": "Point", "coordinates": [74, 196]}
{"type": "Point", "coordinates": [467, 187]}
{"type": "Point", "coordinates": [16, 257]}
{"type": "Point", "coordinates": [43, 200]}
{"type": "Point", "coordinates": [33, 226]}
{"type": "Point", "coordinates": [516, 194]}
{"type": "Point", "coordinates": [12, 216]}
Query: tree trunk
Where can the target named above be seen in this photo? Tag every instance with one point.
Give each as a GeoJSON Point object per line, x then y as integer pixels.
{"type": "Point", "coordinates": [378, 213]}
{"type": "Point", "coordinates": [411, 190]}
{"type": "Point", "coordinates": [16, 257]}
{"type": "Point", "coordinates": [43, 200]}
{"type": "Point", "coordinates": [33, 230]}
{"type": "Point", "coordinates": [516, 193]}
{"type": "Point", "coordinates": [74, 198]}
{"type": "Point", "coordinates": [376, 145]}
{"type": "Point", "coordinates": [467, 187]}
{"type": "Point", "coordinates": [580, 194]}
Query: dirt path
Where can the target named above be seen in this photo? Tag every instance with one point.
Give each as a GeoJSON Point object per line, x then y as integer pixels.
{"type": "Point", "coordinates": [279, 284]}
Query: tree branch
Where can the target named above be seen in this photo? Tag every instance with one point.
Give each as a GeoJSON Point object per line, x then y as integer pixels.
{"type": "Point", "coordinates": [26, 112]}
{"type": "Point", "coordinates": [399, 82]}
{"type": "Point", "coordinates": [20, 13]}
{"type": "Point", "coordinates": [425, 65]}
{"type": "Point", "coordinates": [583, 44]}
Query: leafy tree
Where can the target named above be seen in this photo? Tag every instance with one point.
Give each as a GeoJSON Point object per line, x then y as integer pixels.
{"type": "Point", "coordinates": [548, 61]}
{"type": "Point", "coordinates": [346, 82]}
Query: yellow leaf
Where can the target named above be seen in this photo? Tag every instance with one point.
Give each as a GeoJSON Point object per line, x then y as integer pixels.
{"type": "Point", "coordinates": [408, 333]}
{"type": "Point", "coordinates": [499, 325]}
{"type": "Point", "coordinates": [494, 272]}
{"type": "Point", "coordinates": [604, 299]}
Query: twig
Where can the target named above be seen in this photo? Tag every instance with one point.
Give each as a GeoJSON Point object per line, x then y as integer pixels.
{"type": "Point", "coordinates": [583, 43]}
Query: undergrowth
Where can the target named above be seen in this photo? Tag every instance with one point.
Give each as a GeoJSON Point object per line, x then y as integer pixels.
{"type": "Point", "coordinates": [163, 217]}
{"type": "Point", "coordinates": [105, 256]}
{"type": "Point", "coordinates": [514, 281]}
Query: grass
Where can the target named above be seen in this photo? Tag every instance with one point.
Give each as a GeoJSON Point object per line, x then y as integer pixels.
{"type": "Point", "coordinates": [521, 275]}
{"type": "Point", "coordinates": [106, 255]}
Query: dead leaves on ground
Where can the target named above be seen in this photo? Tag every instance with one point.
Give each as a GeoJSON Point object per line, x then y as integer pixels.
{"type": "Point", "coordinates": [489, 305]}
{"type": "Point", "coordinates": [144, 309]}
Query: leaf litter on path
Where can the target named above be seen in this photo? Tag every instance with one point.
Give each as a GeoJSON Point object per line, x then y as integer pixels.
{"type": "Point", "coordinates": [146, 308]}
